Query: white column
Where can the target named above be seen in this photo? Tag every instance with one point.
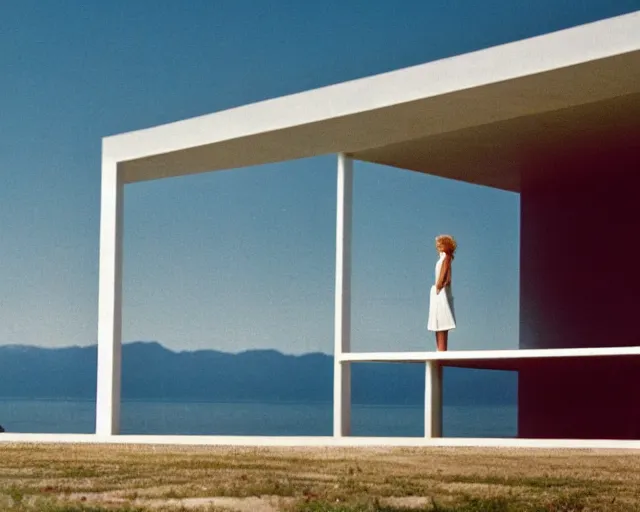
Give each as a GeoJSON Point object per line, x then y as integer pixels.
{"type": "Point", "coordinates": [110, 301]}
{"type": "Point", "coordinates": [433, 399]}
{"type": "Point", "coordinates": [342, 333]}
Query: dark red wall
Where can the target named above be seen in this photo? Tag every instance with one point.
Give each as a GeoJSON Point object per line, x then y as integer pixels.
{"type": "Point", "coordinates": [580, 286]}
{"type": "Point", "coordinates": [588, 398]}
{"type": "Point", "coordinates": [580, 247]}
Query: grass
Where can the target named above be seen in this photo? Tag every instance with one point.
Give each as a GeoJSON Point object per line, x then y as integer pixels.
{"type": "Point", "coordinates": [94, 478]}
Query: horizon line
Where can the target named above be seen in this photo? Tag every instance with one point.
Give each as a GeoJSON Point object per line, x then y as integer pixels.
{"type": "Point", "coordinates": [168, 349]}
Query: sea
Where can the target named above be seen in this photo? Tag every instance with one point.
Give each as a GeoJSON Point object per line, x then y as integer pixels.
{"type": "Point", "coordinates": [266, 419]}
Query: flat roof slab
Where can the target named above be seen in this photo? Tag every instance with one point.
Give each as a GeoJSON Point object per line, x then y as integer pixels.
{"type": "Point", "coordinates": [463, 117]}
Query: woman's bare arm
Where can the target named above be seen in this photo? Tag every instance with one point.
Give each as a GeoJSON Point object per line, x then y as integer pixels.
{"type": "Point", "coordinates": [445, 272]}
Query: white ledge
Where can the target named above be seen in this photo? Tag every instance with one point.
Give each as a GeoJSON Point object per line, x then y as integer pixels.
{"type": "Point", "coordinates": [319, 441]}
{"type": "Point", "coordinates": [476, 355]}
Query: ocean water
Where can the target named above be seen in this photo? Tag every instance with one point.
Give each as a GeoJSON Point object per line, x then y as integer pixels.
{"type": "Point", "coordinates": [272, 419]}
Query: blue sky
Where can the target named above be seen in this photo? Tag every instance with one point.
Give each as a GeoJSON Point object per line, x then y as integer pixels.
{"type": "Point", "coordinates": [241, 259]}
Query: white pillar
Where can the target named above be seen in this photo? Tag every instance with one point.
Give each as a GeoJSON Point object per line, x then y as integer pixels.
{"type": "Point", "coordinates": [342, 333]}
{"type": "Point", "coordinates": [433, 399]}
{"type": "Point", "coordinates": [110, 301]}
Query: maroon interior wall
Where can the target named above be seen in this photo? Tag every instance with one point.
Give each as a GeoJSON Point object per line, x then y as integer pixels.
{"type": "Point", "coordinates": [580, 250]}
{"type": "Point", "coordinates": [580, 287]}
{"type": "Point", "coordinates": [588, 398]}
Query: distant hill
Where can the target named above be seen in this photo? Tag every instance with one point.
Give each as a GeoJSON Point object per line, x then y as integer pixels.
{"type": "Point", "coordinates": [152, 372]}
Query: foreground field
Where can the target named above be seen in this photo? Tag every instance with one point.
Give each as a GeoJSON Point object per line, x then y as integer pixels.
{"type": "Point", "coordinates": [74, 478]}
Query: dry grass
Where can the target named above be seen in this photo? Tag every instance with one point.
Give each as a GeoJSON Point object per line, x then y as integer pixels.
{"type": "Point", "coordinates": [74, 478]}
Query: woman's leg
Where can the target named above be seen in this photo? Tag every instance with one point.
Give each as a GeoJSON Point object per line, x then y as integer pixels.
{"type": "Point", "coordinates": [442, 337]}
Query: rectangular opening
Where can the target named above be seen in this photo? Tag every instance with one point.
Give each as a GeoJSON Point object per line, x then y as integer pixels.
{"type": "Point", "coordinates": [388, 401]}
{"type": "Point", "coordinates": [396, 216]}
{"type": "Point", "coordinates": [236, 292]}
{"type": "Point", "coordinates": [479, 403]}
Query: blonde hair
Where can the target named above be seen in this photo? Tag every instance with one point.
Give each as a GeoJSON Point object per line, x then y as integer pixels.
{"type": "Point", "coordinates": [448, 242]}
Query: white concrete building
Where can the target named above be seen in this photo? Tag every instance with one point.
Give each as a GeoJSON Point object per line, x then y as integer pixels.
{"type": "Point", "coordinates": [555, 118]}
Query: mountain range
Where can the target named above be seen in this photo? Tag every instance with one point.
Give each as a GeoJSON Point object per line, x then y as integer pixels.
{"type": "Point", "coordinates": [152, 372]}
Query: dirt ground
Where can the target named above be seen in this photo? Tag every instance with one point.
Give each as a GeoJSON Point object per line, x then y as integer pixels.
{"type": "Point", "coordinates": [123, 477]}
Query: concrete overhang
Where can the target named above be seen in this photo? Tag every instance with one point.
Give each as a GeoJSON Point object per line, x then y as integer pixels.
{"type": "Point", "coordinates": [513, 359]}
{"type": "Point", "coordinates": [475, 117]}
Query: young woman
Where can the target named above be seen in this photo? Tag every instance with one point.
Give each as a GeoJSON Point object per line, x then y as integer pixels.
{"type": "Point", "coordinates": [441, 312]}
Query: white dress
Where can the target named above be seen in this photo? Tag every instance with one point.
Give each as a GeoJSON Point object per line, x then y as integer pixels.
{"type": "Point", "coordinates": [441, 312]}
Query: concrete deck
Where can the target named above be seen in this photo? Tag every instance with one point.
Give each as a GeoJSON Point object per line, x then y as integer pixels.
{"type": "Point", "coordinates": [488, 359]}
{"type": "Point", "coordinates": [318, 441]}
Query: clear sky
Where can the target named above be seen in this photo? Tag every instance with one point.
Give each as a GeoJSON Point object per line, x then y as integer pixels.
{"type": "Point", "coordinates": [241, 259]}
